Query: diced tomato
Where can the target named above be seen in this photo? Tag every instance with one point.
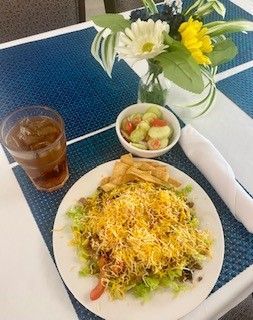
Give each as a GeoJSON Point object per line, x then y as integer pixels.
{"type": "Point", "coordinates": [100, 288]}
{"type": "Point", "coordinates": [97, 291]}
{"type": "Point", "coordinates": [101, 262]}
{"type": "Point", "coordinates": [127, 126]}
{"type": "Point", "coordinates": [159, 123]}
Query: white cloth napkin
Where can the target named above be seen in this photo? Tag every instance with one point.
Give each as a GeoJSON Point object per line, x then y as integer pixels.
{"type": "Point", "coordinates": [218, 172]}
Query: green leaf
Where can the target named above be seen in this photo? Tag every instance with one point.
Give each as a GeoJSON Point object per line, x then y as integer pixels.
{"type": "Point", "coordinates": [150, 6]}
{"type": "Point", "coordinates": [181, 68]}
{"type": "Point", "coordinates": [219, 38]}
{"type": "Point", "coordinates": [223, 52]}
{"type": "Point", "coordinates": [196, 4]}
{"type": "Point", "coordinates": [228, 27]}
{"type": "Point", "coordinates": [103, 50]}
{"type": "Point", "coordinates": [204, 9]}
{"type": "Point", "coordinates": [108, 52]}
{"type": "Point", "coordinates": [214, 24]}
{"type": "Point", "coordinates": [168, 39]}
{"type": "Point", "coordinates": [212, 96]}
{"type": "Point", "coordinates": [95, 47]}
{"type": "Point", "coordinates": [219, 8]}
{"type": "Point", "coordinates": [173, 44]}
{"type": "Point", "coordinates": [113, 21]}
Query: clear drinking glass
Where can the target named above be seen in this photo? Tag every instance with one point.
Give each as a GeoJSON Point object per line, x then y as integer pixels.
{"type": "Point", "coordinates": [35, 137]}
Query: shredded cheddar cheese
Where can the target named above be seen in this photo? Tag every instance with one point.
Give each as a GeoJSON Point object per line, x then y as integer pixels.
{"type": "Point", "coordinates": [142, 230]}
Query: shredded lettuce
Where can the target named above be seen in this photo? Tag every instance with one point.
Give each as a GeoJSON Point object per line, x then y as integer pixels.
{"type": "Point", "coordinates": [184, 192]}
{"type": "Point", "coordinates": [174, 273]}
{"type": "Point", "coordinates": [194, 222]}
{"type": "Point", "coordinates": [82, 254]}
{"type": "Point", "coordinates": [141, 291]}
{"type": "Point", "coordinates": [171, 280]}
{"type": "Point", "coordinates": [76, 214]}
{"type": "Point", "coordinates": [176, 286]}
{"type": "Point", "coordinates": [151, 282]}
{"type": "Point", "coordinates": [85, 271]}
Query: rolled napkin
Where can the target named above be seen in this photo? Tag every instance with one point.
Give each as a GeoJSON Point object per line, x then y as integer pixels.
{"type": "Point", "coordinates": [218, 172]}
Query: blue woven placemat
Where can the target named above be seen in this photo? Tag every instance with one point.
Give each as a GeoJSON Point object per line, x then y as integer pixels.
{"type": "Point", "coordinates": [243, 41]}
{"type": "Point", "coordinates": [239, 89]}
{"type": "Point", "coordinates": [60, 72]}
{"type": "Point", "coordinates": [87, 154]}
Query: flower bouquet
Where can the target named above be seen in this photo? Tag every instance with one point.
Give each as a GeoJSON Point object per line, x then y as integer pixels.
{"type": "Point", "coordinates": [178, 44]}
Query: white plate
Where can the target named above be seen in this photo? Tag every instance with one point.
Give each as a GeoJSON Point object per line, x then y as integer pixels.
{"type": "Point", "coordinates": [162, 306]}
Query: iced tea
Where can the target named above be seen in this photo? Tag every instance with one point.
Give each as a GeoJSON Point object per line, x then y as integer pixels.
{"type": "Point", "coordinates": [38, 144]}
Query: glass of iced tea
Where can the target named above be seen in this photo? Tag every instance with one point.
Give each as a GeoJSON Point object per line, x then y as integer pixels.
{"type": "Point", "coordinates": [35, 137]}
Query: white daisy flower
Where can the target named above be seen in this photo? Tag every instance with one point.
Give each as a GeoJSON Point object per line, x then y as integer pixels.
{"type": "Point", "coordinates": [143, 41]}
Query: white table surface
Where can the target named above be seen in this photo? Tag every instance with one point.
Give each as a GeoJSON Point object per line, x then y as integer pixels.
{"type": "Point", "coordinates": [31, 287]}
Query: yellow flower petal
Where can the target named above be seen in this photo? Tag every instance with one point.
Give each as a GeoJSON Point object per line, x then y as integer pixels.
{"type": "Point", "coordinates": [196, 40]}
{"type": "Point", "coordinates": [200, 57]}
{"type": "Point", "coordinates": [207, 44]}
{"type": "Point", "coordinates": [182, 27]}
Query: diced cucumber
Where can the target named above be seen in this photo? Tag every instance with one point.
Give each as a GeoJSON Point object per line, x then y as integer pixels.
{"type": "Point", "coordinates": [142, 146]}
{"type": "Point", "coordinates": [135, 115]}
{"type": "Point", "coordinates": [164, 143]}
{"type": "Point", "coordinates": [143, 125]}
{"type": "Point", "coordinates": [155, 110]}
{"type": "Point", "coordinates": [156, 144]}
{"type": "Point", "coordinates": [149, 116]}
{"type": "Point", "coordinates": [160, 132]}
{"type": "Point", "coordinates": [135, 118]}
{"type": "Point", "coordinates": [137, 135]}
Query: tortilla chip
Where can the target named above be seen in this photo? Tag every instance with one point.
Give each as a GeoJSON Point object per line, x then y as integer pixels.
{"type": "Point", "coordinates": [143, 175]}
{"type": "Point", "coordinates": [174, 182]}
{"type": "Point", "coordinates": [143, 166]}
{"type": "Point", "coordinates": [119, 169]}
{"type": "Point", "coordinates": [105, 180]}
{"type": "Point", "coordinates": [129, 178]}
{"type": "Point", "coordinates": [160, 174]}
{"type": "Point", "coordinates": [128, 169]}
{"type": "Point", "coordinates": [117, 180]}
{"type": "Point", "coordinates": [127, 159]}
{"type": "Point", "coordinates": [149, 165]}
{"type": "Point", "coordinates": [108, 186]}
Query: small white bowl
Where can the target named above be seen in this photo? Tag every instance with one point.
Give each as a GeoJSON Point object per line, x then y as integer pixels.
{"type": "Point", "coordinates": [142, 107]}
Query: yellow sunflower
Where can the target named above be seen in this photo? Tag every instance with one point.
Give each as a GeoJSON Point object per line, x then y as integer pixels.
{"type": "Point", "coordinates": [196, 40]}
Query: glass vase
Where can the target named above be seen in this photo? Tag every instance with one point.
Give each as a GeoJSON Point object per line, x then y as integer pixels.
{"type": "Point", "coordinates": [153, 87]}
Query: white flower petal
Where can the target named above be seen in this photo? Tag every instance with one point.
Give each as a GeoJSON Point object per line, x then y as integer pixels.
{"type": "Point", "coordinates": [129, 33]}
{"type": "Point", "coordinates": [125, 40]}
{"type": "Point", "coordinates": [143, 41]}
{"type": "Point", "coordinates": [134, 28]}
